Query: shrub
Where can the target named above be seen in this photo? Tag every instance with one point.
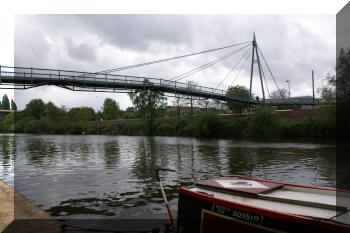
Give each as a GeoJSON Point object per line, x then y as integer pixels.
{"type": "Point", "coordinates": [134, 129]}
{"type": "Point", "coordinates": [33, 126]}
{"type": "Point", "coordinates": [165, 129]}
{"type": "Point", "coordinates": [234, 129]}
{"type": "Point", "coordinates": [8, 122]}
{"type": "Point", "coordinates": [207, 124]}
{"type": "Point", "coordinates": [264, 122]}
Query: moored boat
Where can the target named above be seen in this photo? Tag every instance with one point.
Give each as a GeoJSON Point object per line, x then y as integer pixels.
{"type": "Point", "coordinates": [244, 204]}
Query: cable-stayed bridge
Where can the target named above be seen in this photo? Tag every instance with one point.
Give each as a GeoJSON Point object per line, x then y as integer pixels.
{"type": "Point", "coordinates": [106, 81]}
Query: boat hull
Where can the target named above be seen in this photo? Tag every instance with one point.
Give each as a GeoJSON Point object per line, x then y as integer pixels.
{"type": "Point", "coordinates": [201, 212]}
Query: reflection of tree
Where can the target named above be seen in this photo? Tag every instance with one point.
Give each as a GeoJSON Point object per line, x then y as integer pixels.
{"type": "Point", "coordinates": [242, 161]}
{"type": "Point", "coordinates": [150, 155]}
{"type": "Point", "coordinates": [146, 159]}
{"type": "Point", "coordinates": [210, 159]}
{"type": "Point", "coordinates": [8, 149]}
{"type": "Point", "coordinates": [111, 153]}
{"type": "Point", "coordinates": [40, 150]}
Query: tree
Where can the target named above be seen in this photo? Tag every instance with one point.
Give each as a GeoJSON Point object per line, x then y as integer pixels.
{"type": "Point", "coordinates": [54, 112]}
{"type": "Point", "coordinates": [131, 113]}
{"type": "Point", "coordinates": [239, 92]}
{"type": "Point", "coordinates": [35, 108]}
{"type": "Point", "coordinates": [147, 102]}
{"type": "Point", "coordinates": [13, 105]}
{"type": "Point", "coordinates": [328, 92]}
{"type": "Point", "coordinates": [179, 102]}
{"type": "Point", "coordinates": [81, 114]}
{"type": "Point", "coordinates": [110, 109]}
{"type": "Point", "coordinates": [5, 105]}
{"type": "Point", "coordinates": [279, 94]}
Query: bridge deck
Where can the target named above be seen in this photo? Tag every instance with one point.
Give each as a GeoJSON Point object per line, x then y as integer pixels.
{"type": "Point", "coordinates": [21, 77]}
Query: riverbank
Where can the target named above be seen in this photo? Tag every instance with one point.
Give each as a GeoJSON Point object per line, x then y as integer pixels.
{"type": "Point", "coordinates": [29, 217]}
{"type": "Point", "coordinates": [266, 122]}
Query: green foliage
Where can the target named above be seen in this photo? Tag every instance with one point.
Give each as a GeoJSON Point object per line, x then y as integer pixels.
{"type": "Point", "coordinates": [54, 112]}
{"type": "Point", "coordinates": [165, 129]}
{"type": "Point", "coordinates": [263, 122]}
{"type": "Point", "coordinates": [237, 128]}
{"type": "Point", "coordinates": [36, 126]}
{"type": "Point", "coordinates": [328, 92]}
{"type": "Point", "coordinates": [148, 102]}
{"type": "Point", "coordinates": [5, 104]}
{"type": "Point", "coordinates": [206, 124]}
{"type": "Point", "coordinates": [8, 122]}
{"type": "Point", "coordinates": [110, 109]}
{"type": "Point", "coordinates": [35, 108]}
{"type": "Point", "coordinates": [239, 92]}
{"type": "Point", "coordinates": [131, 113]}
{"type": "Point", "coordinates": [134, 129]}
{"type": "Point", "coordinates": [13, 105]}
{"type": "Point", "coordinates": [81, 114]}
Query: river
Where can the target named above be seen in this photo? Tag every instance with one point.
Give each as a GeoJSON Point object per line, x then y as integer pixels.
{"type": "Point", "coordinates": [94, 177]}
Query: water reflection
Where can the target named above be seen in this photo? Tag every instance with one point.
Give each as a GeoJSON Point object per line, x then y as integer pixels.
{"type": "Point", "coordinates": [7, 156]}
{"type": "Point", "coordinates": [111, 154]}
{"type": "Point", "coordinates": [40, 150]}
{"type": "Point", "coordinates": [99, 176]}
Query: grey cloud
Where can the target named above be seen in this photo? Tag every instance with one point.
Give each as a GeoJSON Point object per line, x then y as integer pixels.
{"type": "Point", "coordinates": [291, 49]}
{"type": "Point", "coordinates": [78, 51]}
{"type": "Point", "coordinates": [31, 48]}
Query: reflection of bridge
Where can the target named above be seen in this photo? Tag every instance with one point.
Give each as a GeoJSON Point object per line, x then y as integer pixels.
{"type": "Point", "coordinates": [25, 78]}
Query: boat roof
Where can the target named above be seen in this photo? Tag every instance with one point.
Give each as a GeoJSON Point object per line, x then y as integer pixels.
{"type": "Point", "coordinates": [287, 198]}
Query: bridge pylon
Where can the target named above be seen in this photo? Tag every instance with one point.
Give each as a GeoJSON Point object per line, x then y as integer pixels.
{"type": "Point", "coordinates": [255, 51]}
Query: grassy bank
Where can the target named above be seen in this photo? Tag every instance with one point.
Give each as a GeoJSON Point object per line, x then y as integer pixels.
{"type": "Point", "coordinates": [264, 123]}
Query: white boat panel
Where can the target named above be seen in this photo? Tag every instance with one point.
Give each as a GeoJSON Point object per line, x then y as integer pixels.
{"type": "Point", "coordinates": [288, 208]}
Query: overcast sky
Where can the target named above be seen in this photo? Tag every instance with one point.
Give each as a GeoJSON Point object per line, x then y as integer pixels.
{"type": "Point", "coordinates": [293, 45]}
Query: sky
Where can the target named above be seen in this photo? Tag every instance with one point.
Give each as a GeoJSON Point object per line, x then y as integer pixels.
{"type": "Point", "coordinates": [293, 45]}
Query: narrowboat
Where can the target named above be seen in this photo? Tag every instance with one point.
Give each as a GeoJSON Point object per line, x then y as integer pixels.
{"type": "Point", "coordinates": [243, 204]}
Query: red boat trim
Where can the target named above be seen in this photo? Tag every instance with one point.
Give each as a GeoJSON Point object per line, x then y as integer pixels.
{"type": "Point", "coordinates": [294, 185]}
{"type": "Point", "coordinates": [269, 213]}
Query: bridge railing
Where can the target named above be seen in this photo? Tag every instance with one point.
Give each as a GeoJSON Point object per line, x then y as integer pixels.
{"type": "Point", "coordinates": [138, 82]}
{"type": "Point", "coordinates": [26, 72]}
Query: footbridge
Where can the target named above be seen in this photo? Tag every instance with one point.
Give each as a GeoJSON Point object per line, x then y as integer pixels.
{"type": "Point", "coordinates": [25, 78]}
{"type": "Point", "coordinates": [108, 81]}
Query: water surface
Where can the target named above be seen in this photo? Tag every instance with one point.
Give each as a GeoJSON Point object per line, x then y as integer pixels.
{"type": "Point", "coordinates": [114, 176]}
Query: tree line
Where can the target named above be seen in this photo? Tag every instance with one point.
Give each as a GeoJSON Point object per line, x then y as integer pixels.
{"type": "Point", "coordinates": [5, 104]}
{"type": "Point", "coordinates": [40, 117]}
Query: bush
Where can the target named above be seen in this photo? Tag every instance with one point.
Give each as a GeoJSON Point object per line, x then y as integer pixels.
{"type": "Point", "coordinates": [207, 124]}
{"type": "Point", "coordinates": [165, 129]}
{"type": "Point", "coordinates": [8, 122]}
{"type": "Point", "coordinates": [33, 126]}
{"type": "Point", "coordinates": [236, 128]}
{"type": "Point", "coordinates": [134, 129]}
{"type": "Point", "coordinates": [264, 122]}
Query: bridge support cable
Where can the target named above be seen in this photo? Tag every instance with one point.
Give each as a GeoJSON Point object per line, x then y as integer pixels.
{"type": "Point", "coordinates": [268, 67]}
{"type": "Point", "coordinates": [267, 87]}
{"type": "Point", "coordinates": [234, 67]}
{"type": "Point", "coordinates": [239, 71]}
{"type": "Point", "coordinates": [167, 59]}
{"type": "Point", "coordinates": [191, 72]}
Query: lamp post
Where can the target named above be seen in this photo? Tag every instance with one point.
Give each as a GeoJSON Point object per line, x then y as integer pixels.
{"type": "Point", "coordinates": [288, 81]}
